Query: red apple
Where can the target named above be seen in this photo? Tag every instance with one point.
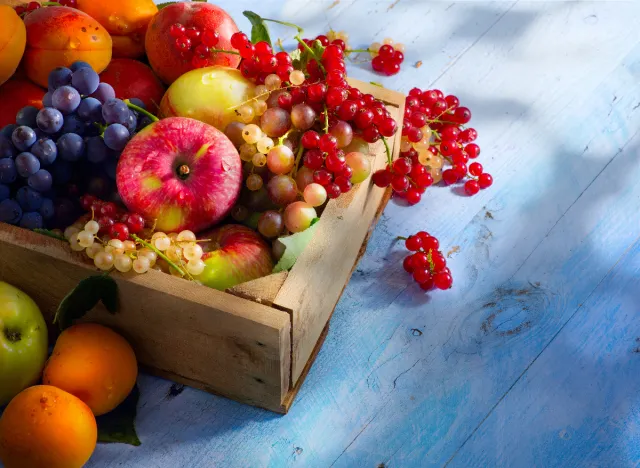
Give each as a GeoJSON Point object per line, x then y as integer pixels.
{"type": "Point", "coordinates": [133, 79]}
{"type": "Point", "coordinates": [233, 255]}
{"type": "Point", "coordinates": [180, 173]}
{"type": "Point", "coordinates": [166, 59]}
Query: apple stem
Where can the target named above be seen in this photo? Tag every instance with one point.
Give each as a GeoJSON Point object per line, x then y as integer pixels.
{"type": "Point", "coordinates": [183, 171]}
{"type": "Point", "coordinates": [159, 254]}
{"type": "Point", "coordinates": [130, 105]}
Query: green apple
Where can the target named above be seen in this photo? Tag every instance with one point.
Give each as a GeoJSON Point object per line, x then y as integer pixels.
{"type": "Point", "coordinates": [23, 342]}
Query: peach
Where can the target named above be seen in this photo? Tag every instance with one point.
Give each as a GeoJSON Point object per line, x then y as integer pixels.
{"type": "Point", "coordinates": [16, 94]}
{"type": "Point", "coordinates": [59, 36]}
{"type": "Point", "coordinates": [93, 363]}
{"type": "Point", "coordinates": [13, 37]}
{"type": "Point", "coordinates": [44, 426]}
{"type": "Point", "coordinates": [125, 20]}
{"type": "Point", "coordinates": [166, 60]}
{"type": "Point", "coordinates": [210, 95]}
{"type": "Point", "coordinates": [133, 79]}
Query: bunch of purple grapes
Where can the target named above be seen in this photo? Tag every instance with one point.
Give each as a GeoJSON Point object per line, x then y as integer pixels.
{"type": "Point", "coordinates": [76, 139]}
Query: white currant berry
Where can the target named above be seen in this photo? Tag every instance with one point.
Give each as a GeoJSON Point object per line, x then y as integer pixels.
{"type": "Point", "coordinates": [174, 253]}
{"type": "Point", "coordinates": [93, 250]}
{"type": "Point", "coordinates": [92, 227]}
{"type": "Point", "coordinates": [272, 82]}
{"type": "Point", "coordinates": [186, 236]}
{"type": "Point", "coordinates": [162, 243]}
{"type": "Point", "coordinates": [70, 231]}
{"type": "Point", "coordinates": [246, 113]}
{"type": "Point", "coordinates": [141, 265]}
{"type": "Point", "coordinates": [261, 93]}
{"type": "Point", "coordinates": [195, 267]}
{"type": "Point", "coordinates": [75, 244]}
{"type": "Point", "coordinates": [251, 133]}
{"type": "Point", "coordinates": [296, 77]}
{"type": "Point", "coordinates": [387, 41]}
{"type": "Point", "coordinates": [259, 107]}
{"type": "Point", "coordinates": [129, 246]}
{"type": "Point", "coordinates": [264, 145]}
{"type": "Point", "coordinates": [103, 260]}
{"type": "Point", "coordinates": [149, 255]}
{"type": "Point", "coordinates": [85, 239]}
{"type": "Point", "coordinates": [122, 263]}
{"type": "Point", "coordinates": [192, 252]}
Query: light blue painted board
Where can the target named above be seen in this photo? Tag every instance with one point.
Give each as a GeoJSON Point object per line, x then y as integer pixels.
{"type": "Point", "coordinates": [540, 78]}
{"type": "Point", "coordinates": [578, 404]}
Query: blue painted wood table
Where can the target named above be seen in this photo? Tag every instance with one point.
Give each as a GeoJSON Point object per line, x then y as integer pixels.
{"type": "Point", "coordinates": [533, 358]}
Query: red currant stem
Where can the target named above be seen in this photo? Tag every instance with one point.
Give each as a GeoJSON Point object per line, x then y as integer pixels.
{"type": "Point", "coordinates": [141, 110]}
{"type": "Point", "coordinates": [310, 50]}
{"type": "Point", "coordinates": [430, 260]}
{"type": "Point", "coordinates": [159, 254]}
{"type": "Point", "coordinates": [401, 238]}
{"type": "Point", "coordinates": [386, 148]}
{"type": "Point", "coordinates": [352, 51]}
{"type": "Point", "coordinates": [279, 43]}
{"type": "Point", "coordinates": [326, 119]}
{"type": "Point", "coordinates": [283, 137]}
{"type": "Point", "coordinates": [284, 23]}
{"type": "Point", "coordinates": [294, 172]}
{"type": "Point", "coordinates": [222, 51]}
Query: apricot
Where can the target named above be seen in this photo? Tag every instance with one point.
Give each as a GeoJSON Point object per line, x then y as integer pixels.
{"type": "Point", "coordinates": [93, 363]}
{"type": "Point", "coordinates": [59, 36]}
{"type": "Point", "coordinates": [166, 60]}
{"type": "Point", "coordinates": [16, 94]}
{"type": "Point", "coordinates": [133, 79]}
{"type": "Point", "coordinates": [13, 38]}
{"type": "Point", "coordinates": [125, 20]}
{"type": "Point", "coordinates": [46, 427]}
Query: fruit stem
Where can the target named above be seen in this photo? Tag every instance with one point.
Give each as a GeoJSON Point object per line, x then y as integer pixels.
{"type": "Point", "coordinates": [326, 119]}
{"type": "Point", "coordinates": [141, 110]}
{"type": "Point", "coordinates": [283, 137]}
{"type": "Point", "coordinates": [159, 254]}
{"type": "Point", "coordinates": [401, 238]}
{"type": "Point", "coordinates": [310, 50]}
{"type": "Point", "coordinates": [222, 51]}
{"type": "Point", "coordinates": [386, 148]}
{"type": "Point", "coordinates": [46, 4]}
{"type": "Point", "coordinates": [349, 51]}
{"type": "Point", "coordinates": [297, 162]}
{"type": "Point", "coordinates": [284, 23]}
{"type": "Point", "coordinates": [183, 171]}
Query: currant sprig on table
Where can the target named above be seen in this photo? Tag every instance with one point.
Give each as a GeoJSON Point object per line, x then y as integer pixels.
{"type": "Point", "coordinates": [426, 264]}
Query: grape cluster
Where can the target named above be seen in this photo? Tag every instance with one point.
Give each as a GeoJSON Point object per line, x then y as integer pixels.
{"type": "Point", "coordinates": [427, 264]}
{"type": "Point", "coordinates": [81, 130]}
{"type": "Point", "coordinates": [26, 8]}
{"type": "Point", "coordinates": [108, 235]}
{"type": "Point", "coordinates": [387, 57]}
{"type": "Point", "coordinates": [434, 135]}
{"type": "Point", "coordinates": [194, 44]}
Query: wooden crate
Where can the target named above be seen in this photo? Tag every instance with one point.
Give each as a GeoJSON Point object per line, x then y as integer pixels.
{"type": "Point", "coordinates": [253, 343]}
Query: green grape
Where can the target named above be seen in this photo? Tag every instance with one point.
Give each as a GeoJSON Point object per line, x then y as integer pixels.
{"type": "Point", "coordinates": [360, 165]}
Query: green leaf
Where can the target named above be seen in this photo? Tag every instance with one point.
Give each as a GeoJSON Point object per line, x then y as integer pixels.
{"type": "Point", "coordinates": [295, 55]}
{"type": "Point", "coordinates": [84, 297]}
{"type": "Point", "coordinates": [46, 232]}
{"type": "Point", "coordinates": [118, 426]}
{"type": "Point", "coordinates": [294, 245]}
{"type": "Point", "coordinates": [259, 30]}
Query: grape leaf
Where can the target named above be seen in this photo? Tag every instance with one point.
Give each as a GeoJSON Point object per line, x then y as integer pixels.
{"type": "Point", "coordinates": [259, 30]}
{"type": "Point", "coordinates": [294, 246]}
{"type": "Point", "coordinates": [118, 426]}
{"type": "Point", "coordinates": [84, 297]}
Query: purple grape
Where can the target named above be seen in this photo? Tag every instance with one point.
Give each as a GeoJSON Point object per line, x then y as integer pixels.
{"type": "Point", "coordinates": [27, 116]}
{"type": "Point", "coordinates": [23, 138]}
{"type": "Point", "coordinates": [85, 80]}
{"type": "Point", "coordinates": [131, 123]}
{"type": "Point", "coordinates": [10, 211]}
{"type": "Point", "coordinates": [115, 111]}
{"type": "Point", "coordinates": [8, 130]}
{"type": "Point", "coordinates": [7, 150]}
{"type": "Point", "coordinates": [66, 99]}
{"type": "Point", "coordinates": [70, 147]}
{"type": "Point", "coordinates": [31, 220]}
{"type": "Point", "coordinates": [97, 151]}
{"type": "Point", "coordinates": [75, 66]}
{"type": "Point", "coordinates": [66, 212]}
{"type": "Point", "coordinates": [50, 120]}
{"type": "Point", "coordinates": [104, 92]}
{"type": "Point", "coordinates": [59, 77]}
{"type": "Point", "coordinates": [47, 100]}
{"type": "Point", "coordinates": [45, 150]}
{"type": "Point", "coordinates": [29, 199]}
{"type": "Point", "coordinates": [73, 124]}
{"type": "Point", "coordinates": [8, 172]}
{"type": "Point", "coordinates": [5, 191]}
{"type": "Point", "coordinates": [47, 209]}
{"type": "Point", "coordinates": [90, 110]}
{"type": "Point", "coordinates": [61, 172]}
{"type": "Point", "coordinates": [41, 181]}
{"type": "Point", "coordinates": [116, 137]}
{"type": "Point", "coordinates": [143, 122]}
{"type": "Point", "coordinates": [27, 164]}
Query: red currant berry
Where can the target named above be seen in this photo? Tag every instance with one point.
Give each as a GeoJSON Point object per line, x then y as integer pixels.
{"type": "Point", "coordinates": [439, 106]}
{"type": "Point", "coordinates": [285, 101]}
{"type": "Point", "coordinates": [340, 43]}
{"type": "Point", "coordinates": [420, 260]}
{"type": "Point", "coordinates": [324, 40]}
{"type": "Point", "coordinates": [414, 134]}
{"type": "Point", "coordinates": [199, 62]}
{"type": "Point", "coordinates": [135, 223]}
{"type": "Point", "coordinates": [263, 48]}
{"type": "Point", "coordinates": [105, 223]}
{"type": "Point", "coordinates": [317, 92]}
{"type": "Point", "coordinates": [382, 177]}
{"type": "Point", "coordinates": [369, 100]}
{"type": "Point", "coordinates": [202, 50]}
{"type": "Point", "coordinates": [322, 177]}
{"type": "Point", "coordinates": [391, 68]}
{"type": "Point", "coordinates": [388, 127]}
{"type": "Point", "coordinates": [418, 119]}
{"type": "Point", "coordinates": [119, 231]}
{"type": "Point", "coordinates": [347, 172]}
{"type": "Point", "coordinates": [459, 157]}
{"type": "Point", "coordinates": [413, 243]}
{"type": "Point", "coordinates": [333, 52]}
{"type": "Point", "coordinates": [415, 92]}
{"type": "Point", "coordinates": [468, 135]}
{"type": "Point", "coordinates": [421, 275]}
{"type": "Point", "coordinates": [193, 33]}
{"type": "Point", "coordinates": [86, 201]}
{"type": "Point", "coordinates": [471, 187]}
{"type": "Point", "coordinates": [310, 139]}
{"type": "Point", "coordinates": [313, 159]}
{"type": "Point", "coordinates": [335, 97]}
{"type": "Point", "coordinates": [460, 170]}
{"type": "Point", "coordinates": [328, 143]}
{"type": "Point", "coordinates": [400, 183]}
{"type": "Point", "coordinates": [347, 110]}
{"type": "Point", "coordinates": [452, 101]}
{"type": "Point", "coordinates": [371, 134]}
{"type": "Point", "coordinates": [427, 285]}
{"type": "Point", "coordinates": [439, 93]}
{"type": "Point", "coordinates": [472, 150]}
{"type": "Point", "coordinates": [423, 180]}
{"type": "Point", "coordinates": [283, 58]}
{"type": "Point", "coordinates": [378, 63]}
{"type": "Point", "coordinates": [336, 163]}
{"type": "Point", "coordinates": [108, 209]}
{"type": "Point", "coordinates": [333, 191]}
{"type": "Point", "coordinates": [247, 50]}
{"type": "Point", "coordinates": [183, 43]}
{"type": "Point", "coordinates": [407, 264]}
{"type": "Point", "coordinates": [439, 263]}
{"type": "Point", "coordinates": [413, 196]}
{"type": "Point", "coordinates": [386, 51]}
{"type": "Point", "coordinates": [31, 6]}
{"type": "Point", "coordinates": [364, 118]}
{"type": "Point", "coordinates": [402, 166]}
{"type": "Point", "coordinates": [475, 169]}
{"type": "Point", "coordinates": [412, 102]}
{"type": "Point", "coordinates": [428, 98]}
{"type": "Point", "coordinates": [298, 95]}
{"type": "Point", "coordinates": [442, 280]}
{"type": "Point", "coordinates": [449, 132]}
{"type": "Point", "coordinates": [485, 180]}
{"type": "Point", "coordinates": [447, 147]}
{"type": "Point", "coordinates": [450, 177]}
{"type": "Point", "coordinates": [343, 183]}
{"type": "Point", "coordinates": [210, 38]}
{"type": "Point", "coordinates": [423, 235]}
{"type": "Point", "coordinates": [239, 40]}
{"type": "Point", "coordinates": [462, 115]}
{"type": "Point", "coordinates": [429, 243]}
{"type": "Point", "coordinates": [20, 10]}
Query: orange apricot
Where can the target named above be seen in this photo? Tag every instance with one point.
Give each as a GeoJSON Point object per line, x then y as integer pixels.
{"type": "Point", "coordinates": [59, 36]}
{"type": "Point", "coordinates": [125, 20]}
{"type": "Point", "coordinates": [93, 363]}
{"type": "Point", "coordinates": [13, 37]}
{"type": "Point", "coordinates": [16, 94]}
{"type": "Point", "coordinates": [45, 427]}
